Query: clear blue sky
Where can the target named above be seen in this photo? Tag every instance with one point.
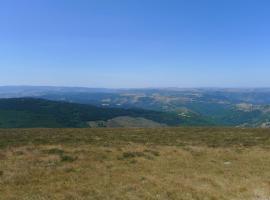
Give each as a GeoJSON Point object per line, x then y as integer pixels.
{"type": "Point", "coordinates": [135, 43]}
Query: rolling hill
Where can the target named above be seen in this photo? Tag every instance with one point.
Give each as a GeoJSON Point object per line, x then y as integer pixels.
{"type": "Point", "coordinates": [201, 106]}
{"type": "Point", "coordinates": [30, 112]}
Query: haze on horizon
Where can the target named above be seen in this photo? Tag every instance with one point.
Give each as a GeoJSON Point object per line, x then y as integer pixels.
{"type": "Point", "coordinates": [135, 44]}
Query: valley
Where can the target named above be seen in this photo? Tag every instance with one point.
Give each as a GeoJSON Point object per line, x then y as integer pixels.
{"type": "Point", "coordinates": [182, 107]}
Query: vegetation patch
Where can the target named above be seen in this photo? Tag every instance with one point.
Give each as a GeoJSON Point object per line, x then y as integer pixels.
{"type": "Point", "coordinates": [2, 156]}
{"type": "Point", "coordinates": [54, 151]}
{"type": "Point", "coordinates": [211, 137]}
{"type": "Point", "coordinates": [135, 154]}
{"type": "Point", "coordinates": [19, 153]}
{"type": "Point", "coordinates": [64, 157]}
{"type": "Point", "coordinates": [67, 158]}
{"type": "Point", "coordinates": [154, 153]}
{"type": "Point", "coordinates": [69, 170]}
{"type": "Point", "coordinates": [132, 154]}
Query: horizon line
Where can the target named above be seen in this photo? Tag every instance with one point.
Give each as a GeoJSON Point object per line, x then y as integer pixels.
{"type": "Point", "coordinates": [127, 88]}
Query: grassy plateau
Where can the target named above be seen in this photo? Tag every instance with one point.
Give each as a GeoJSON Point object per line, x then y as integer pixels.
{"type": "Point", "coordinates": [158, 163]}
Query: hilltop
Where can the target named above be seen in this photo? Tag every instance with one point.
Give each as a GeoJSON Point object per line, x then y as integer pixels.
{"type": "Point", "coordinates": [158, 163]}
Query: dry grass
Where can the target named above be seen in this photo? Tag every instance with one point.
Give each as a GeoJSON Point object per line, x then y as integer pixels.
{"type": "Point", "coordinates": [121, 167]}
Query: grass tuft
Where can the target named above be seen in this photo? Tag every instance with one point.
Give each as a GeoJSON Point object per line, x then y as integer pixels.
{"type": "Point", "coordinates": [54, 151]}
{"type": "Point", "coordinates": [67, 158]}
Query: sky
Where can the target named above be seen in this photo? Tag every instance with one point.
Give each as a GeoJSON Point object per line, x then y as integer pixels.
{"type": "Point", "coordinates": [135, 43]}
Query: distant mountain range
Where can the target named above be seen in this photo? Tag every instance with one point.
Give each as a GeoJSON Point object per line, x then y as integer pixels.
{"type": "Point", "coordinates": [76, 107]}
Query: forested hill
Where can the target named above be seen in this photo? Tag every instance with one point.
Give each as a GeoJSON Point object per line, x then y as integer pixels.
{"type": "Point", "coordinates": [31, 112]}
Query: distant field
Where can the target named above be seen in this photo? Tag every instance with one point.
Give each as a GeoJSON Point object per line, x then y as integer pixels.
{"type": "Point", "coordinates": [161, 163]}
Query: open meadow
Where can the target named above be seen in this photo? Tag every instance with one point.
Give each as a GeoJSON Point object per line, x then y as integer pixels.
{"type": "Point", "coordinates": [110, 164]}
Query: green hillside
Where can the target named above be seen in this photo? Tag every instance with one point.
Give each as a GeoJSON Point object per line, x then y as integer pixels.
{"type": "Point", "coordinates": [220, 107]}
{"type": "Point", "coordinates": [29, 112]}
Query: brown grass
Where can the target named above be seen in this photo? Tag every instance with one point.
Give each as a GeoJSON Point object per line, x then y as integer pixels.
{"type": "Point", "coordinates": [129, 168]}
